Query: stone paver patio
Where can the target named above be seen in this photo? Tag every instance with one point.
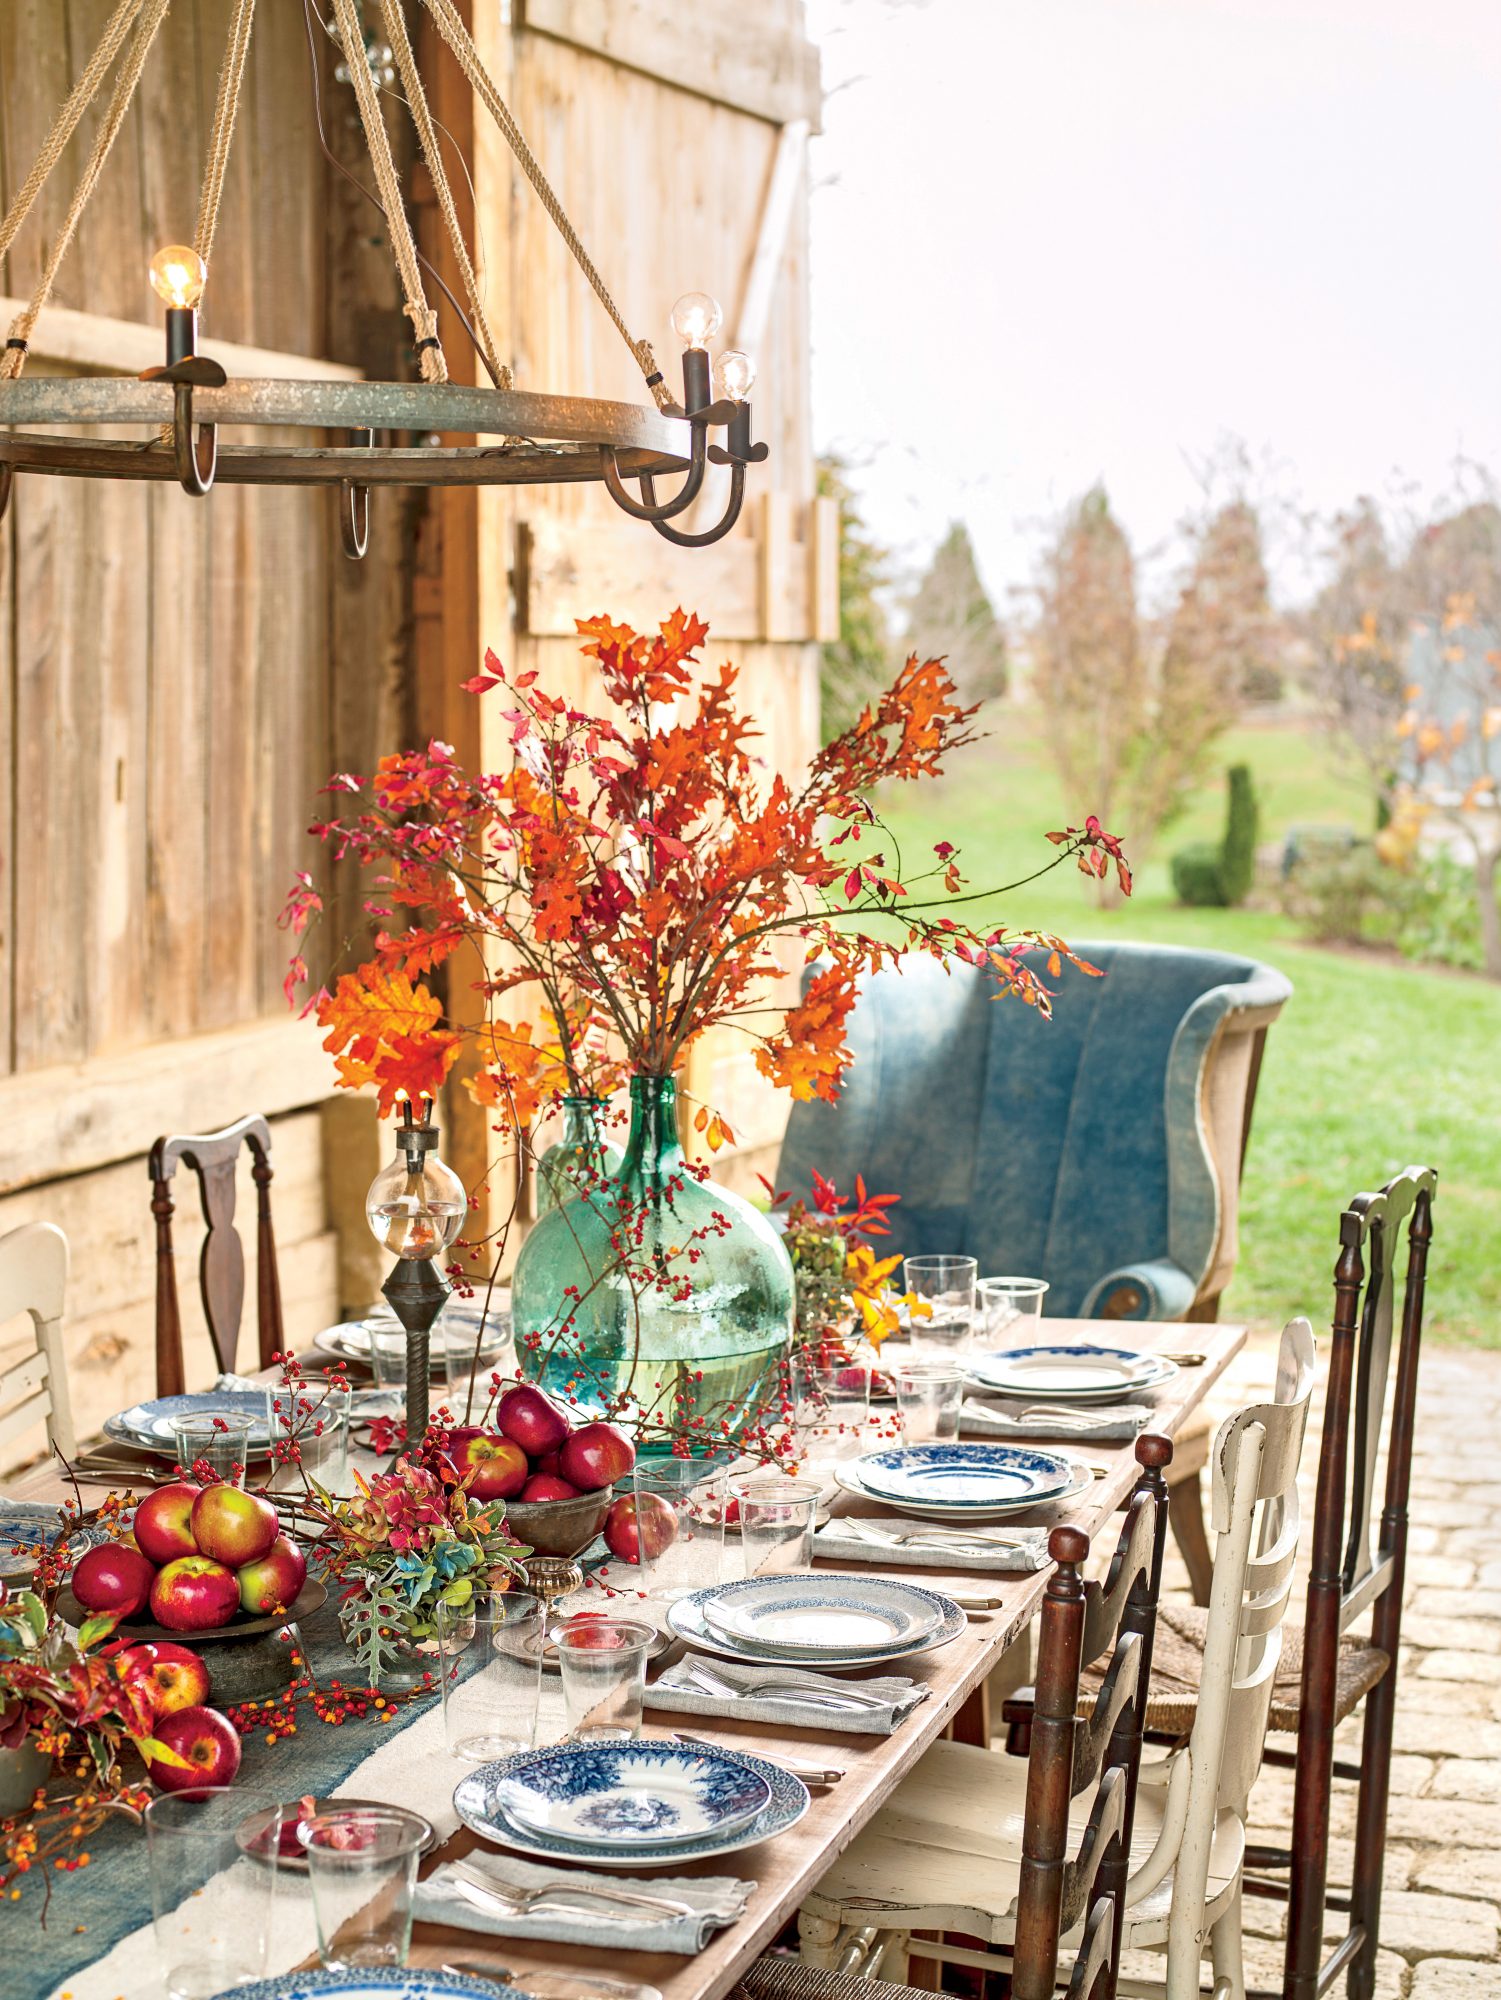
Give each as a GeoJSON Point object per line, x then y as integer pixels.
{"type": "Point", "coordinates": [1442, 1905]}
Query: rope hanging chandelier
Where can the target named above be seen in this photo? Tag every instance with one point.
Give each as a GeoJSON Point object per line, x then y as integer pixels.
{"type": "Point", "coordinates": [183, 404]}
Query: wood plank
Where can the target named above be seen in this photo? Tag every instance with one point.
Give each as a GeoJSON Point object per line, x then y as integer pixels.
{"type": "Point", "coordinates": [571, 569]}
{"type": "Point", "coordinates": [70, 1117]}
{"type": "Point", "coordinates": [778, 212]}
{"type": "Point", "coordinates": [779, 618]}
{"type": "Point", "coordinates": [754, 60]}
{"type": "Point", "coordinates": [106, 346]}
{"type": "Point", "coordinates": [823, 566]}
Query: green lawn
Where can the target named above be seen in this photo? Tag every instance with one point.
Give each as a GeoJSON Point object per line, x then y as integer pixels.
{"type": "Point", "coordinates": [1373, 1064]}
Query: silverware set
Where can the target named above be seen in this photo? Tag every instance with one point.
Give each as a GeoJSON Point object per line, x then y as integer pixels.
{"type": "Point", "coordinates": [817, 1777]}
{"type": "Point", "coordinates": [487, 1891]}
{"type": "Point", "coordinates": [783, 1688]}
{"type": "Point", "coordinates": [554, 1985]}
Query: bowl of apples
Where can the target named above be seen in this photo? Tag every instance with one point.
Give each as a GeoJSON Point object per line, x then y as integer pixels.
{"type": "Point", "coordinates": [557, 1480]}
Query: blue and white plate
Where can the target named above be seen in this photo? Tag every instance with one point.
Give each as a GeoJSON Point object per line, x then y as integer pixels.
{"type": "Point", "coordinates": [1079, 1372]}
{"type": "Point", "coordinates": [966, 1514]}
{"type": "Point", "coordinates": [964, 1475]}
{"type": "Point", "coordinates": [479, 1800]}
{"type": "Point", "coordinates": [686, 1617]}
{"type": "Point", "coordinates": [26, 1525]}
{"type": "Point", "coordinates": [808, 1617]}
{"type": "Point", "coordinates": [619, 1794]}
{"type": "Point", "coordinates": [149, 1425]}
{"type": "Point", "coordinates": [365, 1982]}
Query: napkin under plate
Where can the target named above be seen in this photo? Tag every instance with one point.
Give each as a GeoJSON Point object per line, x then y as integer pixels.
{"type": "Point", "coordinates": [993, 1548]}
{"type": "Point", "coordinates": [716, 1901]}
{"type": "Point", "coordinates": [1004, 1419]}
{"type": "Point", "coordinates": [674, 1690]}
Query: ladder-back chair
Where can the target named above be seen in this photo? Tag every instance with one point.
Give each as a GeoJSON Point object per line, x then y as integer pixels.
{"type": "Point", "coordinates": [34, 1279]}
{"type": "Point", "coordinates": [213, 1157]}
{"type": "Point", "coordinates": [1031, 1860]}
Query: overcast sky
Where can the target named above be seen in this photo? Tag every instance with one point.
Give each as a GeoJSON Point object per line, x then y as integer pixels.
{"type": "Point", "coordinates": [1056, 241]}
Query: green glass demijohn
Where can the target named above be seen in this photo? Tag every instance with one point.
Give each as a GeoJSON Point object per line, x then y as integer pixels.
{"type": "Point", "coordinates": [658, 1297]}
{"type": "Point", "coordinates": [579, 1158]}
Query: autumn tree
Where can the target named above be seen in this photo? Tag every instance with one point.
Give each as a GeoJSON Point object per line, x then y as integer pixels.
{"type": "Point", "coordinates": [951, 615]}
{"type": "Point", "coordinates": [856, 666]}
{"type": "Point", "coordinates": [1358, 627]}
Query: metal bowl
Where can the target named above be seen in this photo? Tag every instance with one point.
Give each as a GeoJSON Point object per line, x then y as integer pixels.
{"type": "Point", "coordinates": [559, 1527]}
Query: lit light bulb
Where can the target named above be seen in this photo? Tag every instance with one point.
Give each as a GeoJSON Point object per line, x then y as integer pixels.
{"type": "Point", "coordinates": [696, 319]}
{"type": "Point", "coordinates": [735, 374]}
{"type": "Point", "coordinates": [177, 275]}
{"type": "Point", "coordinates": [416, 1205]}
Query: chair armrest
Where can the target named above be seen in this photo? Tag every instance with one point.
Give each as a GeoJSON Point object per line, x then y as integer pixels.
{"type": "Point", "coordinates": [1155, 1289]}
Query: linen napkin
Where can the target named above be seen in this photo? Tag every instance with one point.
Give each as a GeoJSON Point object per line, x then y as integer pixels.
{"type": "Point", "coordinates": [1005, 1419]}
{"type": "Point", "coordinates": [675, 1689]}
{"type": "Point", "coordinates": [991, 1549]}
{"type": "Point", "coordinates": [715, 1901]}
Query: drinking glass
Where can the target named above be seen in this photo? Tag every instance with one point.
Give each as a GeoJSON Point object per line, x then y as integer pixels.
{"type": "Point", "coordinates": [222, 1443]}
{"type": "Point", "coordinates": [490, 1658]}
{"type": "Point", "coordinates": [1010, 1308]}
{"type": "Point", "coordinates": [777, 1518]}
{"type": "Point", "coordinates": [680, 1506]}
{"type": "Point", "coordinates": [603, 1666]}
{"type": "Point", "coordinates": [947, 1285]}
{"type": "Point", "coordinates": [362, 1861]}
{"type": "Point", "coordinates": [831, 1402]}
{"type": "Point", "coordinates": [316, 1415]}
{"type": "Point", "coordinates": [928, 1394]}
{"type": "Point", "coordinates": [211, 1902]}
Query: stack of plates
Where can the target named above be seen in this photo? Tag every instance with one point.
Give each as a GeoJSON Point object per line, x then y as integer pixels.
{"type": "Point", "coordinates": [964, 1482]}
{"type": "Point", "coordinates": [453, 1337]}
{"type": "Point", "coordinates": [817, 1621]}
{"type": "Point", "coordinates": [1077, 1373]}
{"type": "Point", "coordinates": [148, 1426]}
{"type": "Point", "coordinates": [619, 1805]}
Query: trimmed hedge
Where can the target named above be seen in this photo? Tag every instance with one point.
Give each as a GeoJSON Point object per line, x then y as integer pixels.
{"type": "Point", "coordinates": [1242, 824]}
{"type": "Point", "coordinates": [1196, 876]}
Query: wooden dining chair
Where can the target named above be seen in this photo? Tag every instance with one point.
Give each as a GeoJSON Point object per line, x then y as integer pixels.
{"type": "Point", "coordinates": [974, 1844]}
{"type": "Point", "coordinates": [34, 1279]}
{"type": "Point", "coordinates": [214, 1157]}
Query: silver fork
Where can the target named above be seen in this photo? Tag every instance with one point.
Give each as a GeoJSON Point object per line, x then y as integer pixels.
{"type": "Point", "coordinates": [474, 1886]}
{"type": "Point", "coordinates": [821, 1776]}
{"type": "Point", "coordinates": [785, 1690]}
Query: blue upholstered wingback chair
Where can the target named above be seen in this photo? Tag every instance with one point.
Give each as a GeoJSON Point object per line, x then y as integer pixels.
{"type": "Point", "coordinates": [1100, 1149]}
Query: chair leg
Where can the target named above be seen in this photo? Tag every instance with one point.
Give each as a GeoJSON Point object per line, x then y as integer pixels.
{"type": "Point", "coordinates": [1226, 1955]}
{"type": "Point", "coordinates": [1185, 1515]}
{"type": "Point", "coordinates": [817, 1940]}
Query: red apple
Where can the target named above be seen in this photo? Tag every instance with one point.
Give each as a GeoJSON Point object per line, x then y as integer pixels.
{"type": "Point", "coordinates": [176, 1676]}
{"type": "Point", "coordinates": [639, 1527]}
{"type": "Point", "coordinates": [272, 1583]}
{"type": "Point", "coordinates": [548, 1463]}
{"type": "Point", "coordinates": [208, 1740]}
{"type": "Point", "coordinates": [113, 1578]}
{"type": "Point", "coordinates": [525, 1416]}
{"type": "Point", "coordinates": [163, 1525]}
{"type": "Point", "coordinates": [547, 1486]}
{"type": "Point", "coordinates": [195, 1594]}
{"type": "Point", "coordinates": [596, 1456]}
{"type": "Point", "coordinates": [499, 1467]}
{"type": "Point", "coordinates": [233, 1526]}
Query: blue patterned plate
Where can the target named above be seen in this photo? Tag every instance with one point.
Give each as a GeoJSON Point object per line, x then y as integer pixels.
{"type": "Point", "coordinates": [686, 1617]}
{"type": "Point", "coordinates": [619, 1794]}
{"type": "Point", "coordinates": [810, 1616]}
{"type": "Point", "coordinates": [1079, 1372]}
{"type": "Point", "coordinates": [365, 1982]}
{"type": "Point", "coordinates": [966, 1514]}
{"type": "Point", "coordinates": [964, 1475]}
{"type": "Point", "coordinates": [479, 1802]}
{"type": "Point", "coordinates": [26, 1525]}
{"type": "Point", "coordinates": [149, 1425]}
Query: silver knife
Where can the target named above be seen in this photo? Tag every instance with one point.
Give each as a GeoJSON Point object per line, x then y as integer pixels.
{"type": "Point", "coordinates": [555, 1985]}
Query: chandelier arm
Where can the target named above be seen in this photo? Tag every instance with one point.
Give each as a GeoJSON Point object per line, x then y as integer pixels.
{"type": "Point", "coordinates": [195, 460]}
{"type": "Point", "coordinates": [71, 110]}
{"type": "Point", "coordinates": [398, 223]}
{"type": "Point", "coordinates": [354, 507]}
{"type": "Point", "coordinates": [722, 527]}
{"type": "Point", "coordinates": [648, 508]}
{"type": "Point", "coordinates": [452, 28]}
{"type": "Point", "coordinates": [14, 359]}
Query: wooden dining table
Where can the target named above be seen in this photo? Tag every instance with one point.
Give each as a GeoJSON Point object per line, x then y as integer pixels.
{"type": "Point", "coordinates": [785, 1869]}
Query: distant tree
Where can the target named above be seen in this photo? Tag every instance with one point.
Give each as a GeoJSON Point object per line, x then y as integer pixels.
{"type": "Point", "coordinates": [857, 665]}
{"type": "Point", "coordinates": [1359, 627]}
{"type": "Point", "coordinates": [950, 615]}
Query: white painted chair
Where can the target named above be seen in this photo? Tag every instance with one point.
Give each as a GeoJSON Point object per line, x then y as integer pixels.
{"type": "Point", "coordinates": [943, 1855]}
{"type": "Point", "coordinates": [34, 1279]}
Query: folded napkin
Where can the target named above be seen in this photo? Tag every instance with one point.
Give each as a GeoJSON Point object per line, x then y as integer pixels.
{"type": "Point", "coordinates": [984, 1548]}
{"type": "Point", "coordinates": [1117, 1424]}
{"type": "Point", "coordinates": [674, 1689]}
{"type": "Point", "coordinates": [715, 1901]}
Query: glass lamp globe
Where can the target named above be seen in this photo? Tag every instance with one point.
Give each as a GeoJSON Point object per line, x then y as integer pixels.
{"type": "Point", "coordinates": [178, 275]}
{"type": "Point", "coordinates": [696, 318]}
{"type": "Point", "coordinates": [416, 1206]}
{"type": "Point", "coordinates": [735, 374]}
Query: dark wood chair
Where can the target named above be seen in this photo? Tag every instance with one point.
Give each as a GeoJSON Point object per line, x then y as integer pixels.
{"type": "Point", "coordinates": [938, 1859]}
{"type": "Point", "coordinates": [214, 1157]}
{"type": "Point", "coordinates": [1374, 1350]}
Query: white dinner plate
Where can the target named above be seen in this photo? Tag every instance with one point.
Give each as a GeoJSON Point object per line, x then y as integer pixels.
{"type": "Point", "coordinates": [1080, 1481]}
{"type": "Point", "coordinates": [1080, 1372]}
{"type": "Point", "coordinates": [967, 1474]}
{"type": "Point", "coordinates": [810, 1617]}
{"type": "Point", "coordinates": [686, 1618]}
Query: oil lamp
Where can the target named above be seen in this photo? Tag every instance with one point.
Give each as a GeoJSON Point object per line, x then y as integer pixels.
{"type": "Point", "coordinates": [416, 1207]}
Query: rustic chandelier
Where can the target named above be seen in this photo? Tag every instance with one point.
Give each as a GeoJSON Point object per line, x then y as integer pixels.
{"type": "Point", "coordinates": [182, 404]}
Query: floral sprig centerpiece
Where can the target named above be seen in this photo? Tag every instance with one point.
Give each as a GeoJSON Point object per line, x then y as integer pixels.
{"type": "Point", "coordinates": [840, 1277]}
{"type": "Point", "coordinates": [632, 881]}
